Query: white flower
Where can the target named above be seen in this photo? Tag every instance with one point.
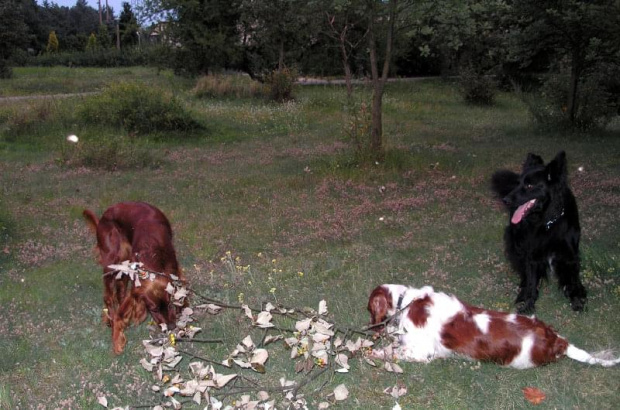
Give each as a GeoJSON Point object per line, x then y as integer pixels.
{"type": "Point", "coordinates": [73, 138]}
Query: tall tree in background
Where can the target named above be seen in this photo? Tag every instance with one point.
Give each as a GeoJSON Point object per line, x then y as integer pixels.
{"type": "Point", "coordinates": [276, 33]}
{"type": "Point", "coordinates": [345, 25]}
{"type": "Point", "coordinates": [12, 34]}
{"type": "Point", "coordinates": [582, 34]}
{"type": "Point", "coordinates": [207, 33]}
{"type": "Point", "coordinates": [128, 26]}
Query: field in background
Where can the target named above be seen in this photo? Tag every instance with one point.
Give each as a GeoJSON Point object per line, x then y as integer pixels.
{"type": "Point", "coordinates": [278, 187]}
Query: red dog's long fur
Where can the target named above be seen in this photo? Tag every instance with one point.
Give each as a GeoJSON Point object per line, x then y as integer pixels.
{"type": "Point", "coordinates": [138, 232]}
{"type": "Point", "coordinates": [435, 325]}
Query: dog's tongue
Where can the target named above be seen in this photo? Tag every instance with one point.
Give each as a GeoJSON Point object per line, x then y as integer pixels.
{"type": "Point", "coordinates": [522, 210]}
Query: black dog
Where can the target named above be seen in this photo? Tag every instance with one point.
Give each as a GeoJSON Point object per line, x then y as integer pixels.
{"type": "Point", "coordinates": [543, 230]}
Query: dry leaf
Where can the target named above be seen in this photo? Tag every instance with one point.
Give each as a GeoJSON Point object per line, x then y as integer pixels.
{"type": "Point", "coordinates": [534, 395]}
{"type": "Point", "coordinates": [260, 356]}
{"type": "Point", "coordinates": [264, 320]}
{"type": "Point", "coordinates": [322, 307]}
{"type": "Point", "coordinates": [247, 342]}
{"type": "Point", "coordinates": [271, 339]}
{"type": "Point", "coordinates": [341, 392]}
{"type": "Point", "coordinates": [213, 309]}
{"type": "Point", "coordinates": [103, 401]}
{"type": "Point", "coordinates": [396, 391]}
{"type": "Point", "coordinates": [303, 325]}
{"type": "Point", "coordinates": [222, 380]}
{"type": "Point", "coordinates": [248, 311]}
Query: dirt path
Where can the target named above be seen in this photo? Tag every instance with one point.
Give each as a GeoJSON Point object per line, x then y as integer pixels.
{"type": "Point", "coordinates": [45, 96]}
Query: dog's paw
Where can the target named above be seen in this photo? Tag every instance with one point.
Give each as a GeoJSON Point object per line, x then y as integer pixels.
{"type": "Point", "coordinates": [525, 307]}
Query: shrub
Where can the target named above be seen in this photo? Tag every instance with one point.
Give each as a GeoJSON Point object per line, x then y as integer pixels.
{"type": "Point", "coordinates": [357, 129]}
{"type": "Point", "coordinates": [26, 117]}
{"type": "Point", "coordinates": [108, 153]}
{"type": "Point", "coordinates": [280, 84]}
{"type": "Point", "coordinates": [477, 88]}
{"type": "Point", "coordinates": [595, 102]}
{"type": "Point", "coordinates": [238, 86]}
{"type": "Point", "coordinates": [5, 70]}
{"type": "Point", "coordinates": [139, 109]}
{"type": "Point", "coordinates": [99, 57]}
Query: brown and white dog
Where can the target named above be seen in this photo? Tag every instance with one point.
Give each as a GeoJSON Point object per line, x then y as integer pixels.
{"type": "Point", "coordinates": [138, 232]}
{"type": "Point", "coordinates": [432, 325]}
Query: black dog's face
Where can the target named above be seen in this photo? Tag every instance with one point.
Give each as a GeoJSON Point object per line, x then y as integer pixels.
{"type": "Point", "coordinates": [529, 199]}
{"type": "Point", "coordinates": [532, 190]}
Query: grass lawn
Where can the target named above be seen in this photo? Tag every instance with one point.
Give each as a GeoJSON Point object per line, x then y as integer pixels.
{"type": "Point", "coordinates": [269, 205]}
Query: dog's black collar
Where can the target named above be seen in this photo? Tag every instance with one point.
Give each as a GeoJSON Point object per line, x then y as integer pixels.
{"type": "Point", "coordinates": [554, 220]}
{"type": "Point", "coordinates": [400, 301]}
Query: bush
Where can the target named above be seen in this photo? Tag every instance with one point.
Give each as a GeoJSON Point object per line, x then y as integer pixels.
{"type": "Point", "coordinates": [25, 118]}
{"type": "Point", "coordinates": [108, 153]}
{"type": "Point", "coordinates": [237, 85]}
{"type": "Point", "coordinates": [5, 70]}
{"type": "Point", "coordinates": [280, 84]}
{"type": "Point", "coordinates": [139, 109]}
{"type": "Point", "coordinates": [595, 102]}
{"type": "Point", "coordinates": [477, 88]}
{"type": "Point", "coordinates": [111, 57]}
{"type": "Point", "coordinates": [357, 129]}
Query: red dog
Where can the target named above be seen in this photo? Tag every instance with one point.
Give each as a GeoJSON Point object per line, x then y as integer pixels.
{"type": "Point", "coordinates": [435, 325]}
{"type": "Point", "coordinates": [138, 232]}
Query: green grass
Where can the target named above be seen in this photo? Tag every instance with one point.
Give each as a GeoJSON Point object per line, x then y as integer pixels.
{"type": "Point", "coordinates": [64, 80]}
{"type": "Point", "coordinates": [281, 180]}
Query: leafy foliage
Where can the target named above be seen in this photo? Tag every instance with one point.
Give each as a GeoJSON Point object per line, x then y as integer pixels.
{"type": "Point", "coordinates": [577, 37]}
{"type": "Point", "coordinates": [206, 33]}
{"type": "Point", "coordinates": [128, 26]}
{"type": "Point", "coordinates": [138, 109]}
{"type": "Point", "coordinates": [110, 153]}
{"type": "Point", "coordinates": [476, 87]}
{"type": "Point", "coordinates": [12, 34]}
{"type": "Point", "coordinates": [596, 104]}
{"type": "Point", "coordinates": [238, 86]}
{"type": "Point", "coordinates": [52, 43]}
{"type": "Point", "coordinates": [281, 84]}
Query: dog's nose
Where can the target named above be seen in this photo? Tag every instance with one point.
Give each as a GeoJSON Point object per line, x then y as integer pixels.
{"type": "Point", "coordinates": [506, 200]}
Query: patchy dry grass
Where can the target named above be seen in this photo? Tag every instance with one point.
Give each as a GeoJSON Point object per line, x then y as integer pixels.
{"type": "Point", "coordinates": [277, 187]}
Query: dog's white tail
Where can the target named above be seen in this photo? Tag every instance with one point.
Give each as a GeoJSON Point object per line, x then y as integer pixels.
{"type": "Point", "coordinates": [580, 355]}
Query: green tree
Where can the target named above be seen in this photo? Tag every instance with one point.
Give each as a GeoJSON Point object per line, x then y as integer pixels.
{"type": "Point", "coordinates": [582, 35]}
{"type": "Point", "coordinates": [12, 34]}
{"type": "Point", "coordinates": [344, 24]}
{"type": "Point", "coordinates": [128, 26]}
{"type": "Point", "coordinates": [91, 45]}
{"type": "Point", "coordinates": [52, 43]}
{"type": "Point", "coordinates": [103, 36]}
{"type": "Point", "coordinates": [203, 35]}
{"type": "Point", "coordinates": [276, 33]}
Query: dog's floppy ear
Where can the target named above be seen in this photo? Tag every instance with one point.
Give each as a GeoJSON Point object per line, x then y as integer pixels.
{"type": "Point", "coordinates": [379, 304]}
{"type": "Point", "coordinates": [503, 182]}
{"type": "Point", "coordinates": [556, 169]}
{"type": "Point", "coordinates": [532, 161]}
{"type": "Point", "coordinates": [91, 220]}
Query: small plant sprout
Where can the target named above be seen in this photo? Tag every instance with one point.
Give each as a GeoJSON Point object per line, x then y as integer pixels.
{"type": "Point", "coordinates": [73, 138]}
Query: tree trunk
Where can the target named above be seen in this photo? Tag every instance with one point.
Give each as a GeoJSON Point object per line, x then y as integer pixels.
{"type": "Point", "coordinates": [281, 59]}
{"type": "Point", "coordinates": [575, 72]}
{"type": "Point", "coordinates": [347, 68]}
{"type": "Point", "coordinates": [378, 83]}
